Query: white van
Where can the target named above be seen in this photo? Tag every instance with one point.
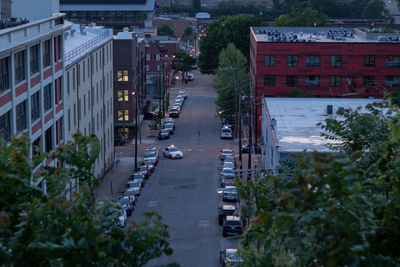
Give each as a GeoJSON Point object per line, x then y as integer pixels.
{"type": "Point", "coordinates": [226, 133]}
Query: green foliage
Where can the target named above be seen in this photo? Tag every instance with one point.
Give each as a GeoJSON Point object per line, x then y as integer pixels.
{"type": "Point", "coordinates": [231, 29]}
{"type": "Point", "coordinates": [298, 93]}
{"type": "Point", "coordinates": [188, 34]}
{"type": "Point", "coordinates": [182, 61]}
{"type": "Point", "coordinates": [47, 229]}
{"type": "Point", "coordinates": [305, 18]}
{"type": "Point", "coordinates": [231, 80]}
{"type": "Point", "coordinates": [165, 30]}
{"type": "Point", "coordinates": [196, 5]}
{"type": "Point", "coordinates": [373, 9]}
{"type": "Point", "coordinates": [332, 209]}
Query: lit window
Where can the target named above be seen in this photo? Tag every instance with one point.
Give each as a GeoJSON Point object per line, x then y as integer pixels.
{"type": "Point", "coordinates": [123, 95]}
{"type": "Point", "coordinates": [123, 115]}
{"type": "Point", "coordinates": [122, 76]}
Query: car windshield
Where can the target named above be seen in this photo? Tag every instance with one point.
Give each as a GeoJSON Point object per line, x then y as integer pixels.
{"type": "Point", "coordinates": [229, 159]}
{"type": "Point", "coordinates": [229, 212]}
{"type": "Point", "coordinates": [134, 185]}
{"type": "Point", "coordinates": [233, 256]}
{"type": "Point", "coordinates": [164, 131]}
{"type": "Point", "coordinates": [227, 171]}
{"type": "Point", "coordinates": [124, 201]}
{"type": "Point", "coordinates": [174, 110]}
{"type": "Point", "coordinates": [233, 222]}
{"type": "Point", "coordinates": [226, 151]}
{"type": "Point", "coordinates": [226, 130]}
{"type": "Point", "coordinates": [168, 126]}
{"type": "Point", "coordinates": [173, 149]}
{"type": "Point", "coordinates": [229, 165]}
{"type": "Point", "coordinates": [128, 193]}
{"type": "Point", "coordinates": [136, 176]}
{"type": "Point", "coordinates": [143, 168]}
{"type": "Point", "coordinates": [149, 154]}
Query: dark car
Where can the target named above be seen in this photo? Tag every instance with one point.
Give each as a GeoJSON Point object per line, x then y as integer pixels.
{"type": "Point", "coordinates": [127, 205]}
{"type": "Point", "coordinates": [119, 140]}
{"type": "Point", "coordinates": [223, 211]}
{"type": "Point", "coordinates": [230, 257]}
{"type": "Point", "coordinates": [137, 176]}
{"type": "Point", "coordinates": [174, 113]}
{"type": "Point", "coordinates": [145, 171]}
{"type": "Point", "coordinates": [230, 194]}
{"type": "Point", "coordinates": [232, 226]}
{"type": "Point", "coordinates": [163, 134]}
{"type": "Point", "coordinates": [148, 115]}
{"type": "Point", "coordinates": [246, 149]}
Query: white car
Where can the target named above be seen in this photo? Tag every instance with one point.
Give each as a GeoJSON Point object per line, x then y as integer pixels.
{"type": "Point", "coordinates": [226, 152]}
{"type": "Point", "coordinates": [172, 152]}
{"type": "Point", "coordinates": [189, 76]}
{"type": "Point", "coordinates": [226, 132]}
{"type": "Point", "coordinates": [183, 93]}
{"type": "Point", "coordinates": [121, 222]}
{"type": "Point", "coordinates": [151, 156]}
{"type": "Point", "coordinates": [135, 187]}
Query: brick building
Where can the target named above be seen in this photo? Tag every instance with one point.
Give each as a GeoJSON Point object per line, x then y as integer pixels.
{"type": "Point", "coordinates": [324, 62]}
{"type": "Point", "coordinates": [176, 22]}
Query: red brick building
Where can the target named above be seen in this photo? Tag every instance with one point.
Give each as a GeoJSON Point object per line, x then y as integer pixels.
{"type": "Point", "coordinates": [324, 62]}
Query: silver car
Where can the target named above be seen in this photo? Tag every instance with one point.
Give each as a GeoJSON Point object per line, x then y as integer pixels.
{"type": "Point", "coordinates": [172, 152]}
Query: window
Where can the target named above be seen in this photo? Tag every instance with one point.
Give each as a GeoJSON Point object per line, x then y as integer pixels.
{"type": "Point", "coordinates": [74, 115]}
{"type": "Point", "coordinates": [88, 68]}
{"type": "Point", "coordinates": [313, 61]}
{"type": "Point", "coordinates": [35, 106]}
{"type": "Point", "coordinates": [46, 53]}
{"type": "Point", "coordinates": [47, 97]}
{"type": "Point", "coordinates": [335, 81]}
{"type": "Point", "coordinates": [123, 115]}
{"type": "Point", "coordinates": [5, 126]}
{"type": "Point", "coordinates": [69, 119]}
{"type": "Point", "coordinates": [393, 61]}
{"type": "Point", "coordinates": [36, 147]}
{"type": "Point", "coordinates": [269, 60]}
{"type": "Point", "coordinates": [78, 74]}
{"type": "Point", "coordinates": [68, 82]}
{"type": "Point", "coordinates": [73, 79]}
{"type": "Point", "coordinates": [20, 114]}
{"type": "Point", "coordinates": [158, 67]}
{"type": "Point", "coordinates": [123, 95]}
{"type": "Point", "coordinates": [291, 80]}
{"type": "Point", "coordinates": [157, 56]}
{"type": "Point", "coordinates": [312, 81]}
{"type": "Point", "coordinates": [48, 139]}
{"type": "Point", "coordinates": [4, 74]}
{"type": "Point", "coordinates": [368, 81]}
{"type": "Point", "coordinates": [147, 68]}
{"type": "Point", "coordinates": [336, 61]}
{"type": "Point", "coordinates": [269, 80]}
{"type": "Point", "coordinates": [84, 105]}
{"type": "Point", "coordinates": [34, 58]}
{"type": "Point", "coordinates": [147, 56]}
{"type": "Point", "coordinates": [59, 90]}
{"type": "Point", "coordinates": [292, 60]}
{"type": "Point", "coordinates": [392, 81]}
{"type": "Point", "coordinates": [122, 76]}
{"type": "Point", "coordinates": [83, 71]}
{"type": "Point", "coordinates": [369, 61]}
{"type": "Point", "coordinates": [57, 48]}
{"type": "Point", "coordinates": [19, 64]}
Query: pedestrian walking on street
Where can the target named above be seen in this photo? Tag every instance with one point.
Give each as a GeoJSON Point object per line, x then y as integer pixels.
{"type": "Point", "coordinates": [198, 133]}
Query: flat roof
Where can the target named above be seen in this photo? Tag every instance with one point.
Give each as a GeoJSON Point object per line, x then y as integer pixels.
{"type": "Point", "coordinates": [107, 5]}
{"type": "Point", "coordinates": [321, 35]}
{"type": "Point", "coordinates": [297, 118]}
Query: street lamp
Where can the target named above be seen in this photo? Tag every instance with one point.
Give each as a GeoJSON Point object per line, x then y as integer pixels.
{"type": "Point", "coordinates": [136, 125]}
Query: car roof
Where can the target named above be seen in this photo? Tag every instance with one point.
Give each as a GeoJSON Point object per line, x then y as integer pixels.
{"type": "Point", "coordinates": [230, 186]}
{"type": "Point", "coordinates": [232, 218]}
{"type": "Point", "coordinates": [231, 250]}
{"type": "Point", "coordinates": [227, 168]}
{"type": "Point", "coordinates": [228, 207]}
{"type": "Point", "coordinates": [227, 150]}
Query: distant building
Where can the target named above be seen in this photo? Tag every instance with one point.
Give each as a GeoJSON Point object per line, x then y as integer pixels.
{"type": "Point", "coordinates": [88, 87]}
{"type": "Point", "coordinates": [211, 3]}
{"type": "Point", "coordinates": [324, 62]}
{"type": "Point", "coordinates": [118, 13]}
{"type": "Point", "coordinates": [129, 82]}
{"type": "Point", "coordinates": [32, 98]}
{"type": "Point", "coordinates": [289, 125]}
{"type": "Point", "coordinates": [177, 23]}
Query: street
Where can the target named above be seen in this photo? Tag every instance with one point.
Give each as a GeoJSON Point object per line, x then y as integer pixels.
{"type": "Point", "coordinates": [183, 191]}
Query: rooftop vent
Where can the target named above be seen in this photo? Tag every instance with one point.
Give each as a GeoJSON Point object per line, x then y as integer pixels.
{"type": "Point", "coordinates": [329, 109]}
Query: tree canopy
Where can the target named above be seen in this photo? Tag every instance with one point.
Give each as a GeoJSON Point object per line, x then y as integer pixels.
{"type": "Point", "coordinates": [165, 30]}
{"type": "Point", "coordinates": [188, 34]}
{"type": "Point", "coordinates": [331, 209]}
{"type": "Point", "coordinates": [306, 18]}
{"type": "Point", "coordinates": [182, 61]}
{"type": "Point", "coordinates": [231, 79]}
{"type": "Point", "coordinates": [47, 229]}
{"type": "Point", "coordinates": [231, 29]}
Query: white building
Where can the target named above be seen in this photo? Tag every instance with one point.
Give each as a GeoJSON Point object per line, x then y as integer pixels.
{"type": "Point", "coordinates": [88, 89]}
{"type": "Point", "coordinates": [289, 125]}
{"type": "Point", "coordinates": [31, 77]}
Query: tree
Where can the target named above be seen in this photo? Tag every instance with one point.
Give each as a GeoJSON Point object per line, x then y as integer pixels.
{"type": "Point", "coordinates": [38, 228]}
{"type": "Point", "coordinates": [306, 18]}
{"type": "Point", "coordinates": [196, 5]}
{"type": "Point", "coordinates": [373, 9]}
{"type": "Point", "coordinates": [231, 79]}
{"type": "Point", "coordinates": [182, 62]}
{"type": "Point", "coordinates": [332, 209]}
{"type": "Point", "coordinates": [188, 34]}
{"type": "Point", "coordinates": [165, 30]}
{"type": "Point", "coordinates": [231, 29]}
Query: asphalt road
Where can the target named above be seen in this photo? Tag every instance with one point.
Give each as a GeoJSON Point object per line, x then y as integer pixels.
{"type": "Point", "coordinates": [183, 191]}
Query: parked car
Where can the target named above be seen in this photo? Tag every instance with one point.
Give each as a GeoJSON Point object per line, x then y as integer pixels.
{"type": "Point", "coordinates": [246, 149]}
{"type": "Point", "coordinates": [228, 164]}
{"type": "Point", "coordinates": [126, 204]}
{"type": "Point", "coordinates": [169, 121]}
{"type": "Point", "coordinates": [226, 152]}
{"type": "Point", "coordinates": [163, 134]}
{"type": "Point", "coordinates": [230, 257]}
{"type": "Point", "coordinates": [152, 156]}
{"type": "Point", "coordinates": [121, 222]}
{"type": "Point", "coordinates": [145, 171]}
{"type": "Point", "coordinates": [193, 67]}
{"type": "Point", "coordinates": [230, 159]}
{"type": "Point", "coordinates": [174, 113]}
{"type": "Point", "coordinates": [180, 98]}
{"type": "Point", "coordinates": [149, 163]}
{"type": "Point", "coordinates": [148, 115]}
{"type": "Point", "coordinates": [183, 93]}
{"type": "Point", "coordinates": [131, 194]}
{"type": "Point", "coordinates": [230, 194]}
{"type": "Point", "coordinates": [153, 149]}
{"type": "Point", "coordinates": [172, 152]}
{"type": "Point", "coordinates": [189, 76]}
{"type": "Point", "coordinates": [232, 226]}
{"type": "Point", "coordinates": [169, 127]}
{"type": "Point", "coordinates": [119, 140]}
{"type": "Point", "coordinates": [224, 211]}
{"type": "Point", "coordinates": [135, 187]}
{"type": "Point", "coordinates": [227, 173]}
{"type": "Point", "coordinates": [138, 178]}
{"type": "Point", "coordinates": [227, 180]}
{"type": "Point", "coordinates": [226, 133]}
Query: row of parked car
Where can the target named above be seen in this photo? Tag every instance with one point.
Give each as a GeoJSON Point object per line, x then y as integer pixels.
{"type": "Point", "coordinates": [228, 213]}
{"type": "Point", "coordinates": [177, 104]}
{"type": "Point", "coordinates": [136, 182]}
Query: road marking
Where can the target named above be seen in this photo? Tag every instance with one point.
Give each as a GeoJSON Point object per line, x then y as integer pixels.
{"type": "Point", "coordinates": [152, 204]}
{"type": "Point", "coordinates": [200, 149]}
{"type": "Point", "coordinates": [203, 223]}
{"type": "Point", "coordinates": [189, 149]}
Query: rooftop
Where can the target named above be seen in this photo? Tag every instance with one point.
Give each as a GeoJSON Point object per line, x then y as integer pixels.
{"type": "Point", "coordinates": [107, 5]}
{"type": "Point", "coordinates": [322, 35]}
{"type": "Point", "coordinates": [297, 118]}
{"type": "Point", "coordinates": [83, 39]}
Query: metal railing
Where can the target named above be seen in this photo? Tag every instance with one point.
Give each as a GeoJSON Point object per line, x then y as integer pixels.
{"type": "Point", "coordinates": [85, 46]}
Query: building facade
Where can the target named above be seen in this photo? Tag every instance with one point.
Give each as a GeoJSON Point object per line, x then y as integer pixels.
{"type": "Point", "coordinates": [129, 82]}
{"type": "Point", "coordinates": [88, 89]}
{"type": "Point", "coordinates": [321, 62]}
{"type": "Point", "coordinates": [32, 96]}
{"type": "Point", "coordinates": [177, 23]}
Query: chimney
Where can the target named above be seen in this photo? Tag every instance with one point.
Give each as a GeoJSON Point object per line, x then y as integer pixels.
{"type": "Point", "coordinates": [82, 28]}
{"type": "Point", "coordinates": [72, 32]}
{"type": "Point", "coordinates": [329, 109]}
